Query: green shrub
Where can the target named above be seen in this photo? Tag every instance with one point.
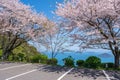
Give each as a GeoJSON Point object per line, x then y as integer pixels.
{"type": "Point", "coordinates": [28, 58]}
{"type": "Point", "coordinates": [0, 57]}
{"type": "Point", "coordinates": [10, 58]}
{"type": "Point", "coordinates": [16, 57]}
{"type": "Point", "coordinates": [80, 63]}
{"type": "Point", "coordinates": [108, 65]}
{"type": "Point", "coordinates": [52, 61]}
{"type": "Point", "coordinates": [43, 58]}
{"type": "Point", "coordinates": [39, 58]}
{"type": "Point", "coordinates": [35, 59]}
{"type": "Point", "coordinates": [20, 56]}
{"type": "Point", "coordinates": [93, 62]}
{"type": "Point", "coordinates": [69, 61]}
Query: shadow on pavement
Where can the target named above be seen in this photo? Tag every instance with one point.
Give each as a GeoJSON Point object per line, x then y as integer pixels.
{"type": "Point", "coordinates": [82, 72]}
{"type": "Point", "coordinates": [115, 74]}
{"type": "Point", "coordinates": [87, 73]}
{"type": "Point", "coordinates": [76, 72]}
{"type": "Point", "coordinates": [56, 69]}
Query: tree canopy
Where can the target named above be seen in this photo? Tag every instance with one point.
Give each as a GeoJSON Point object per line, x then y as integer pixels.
{"type": "Point", "coordinates": [98, 23]}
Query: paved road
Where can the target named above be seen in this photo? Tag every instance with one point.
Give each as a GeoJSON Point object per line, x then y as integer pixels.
{"type": "Point", "coordinates": [85, 74]}
{"type": "Point", "coordinates": [19, 71]}
{"type": "Point", "coordinates": [115, 75]}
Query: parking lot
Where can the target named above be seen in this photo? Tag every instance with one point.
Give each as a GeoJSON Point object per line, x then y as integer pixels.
{"type": "Point", "coordinates": [20, 71]}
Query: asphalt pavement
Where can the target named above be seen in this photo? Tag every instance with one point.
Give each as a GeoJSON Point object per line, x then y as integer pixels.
{"type": "Point", "coordinates": [21, 71]}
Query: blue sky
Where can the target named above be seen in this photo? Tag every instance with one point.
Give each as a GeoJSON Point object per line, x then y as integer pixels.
{"type": "Point", "coordinates": [44, 6]}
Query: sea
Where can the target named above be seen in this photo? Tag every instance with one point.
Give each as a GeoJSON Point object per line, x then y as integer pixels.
{"type": "Point", "coordinates": [105, 57]}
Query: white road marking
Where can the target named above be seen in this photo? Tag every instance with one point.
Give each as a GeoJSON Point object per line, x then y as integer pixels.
{"type": "Point", "coordinates": [14, 67]}
{"type": "Point", "coordinates": [65, 74]}
{"type": "Point", "coordinates": [106, 75]}
{"type": "Point", "coordinates": [21, 74]}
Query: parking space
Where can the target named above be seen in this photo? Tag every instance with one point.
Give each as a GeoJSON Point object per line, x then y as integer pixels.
{"type": "Point", "coordinates": [17, 71]}
{"type": "Point", "coordinates": [5, 65]}
{"type": "Point", "coordinates": [44, 73]}
{"type": "Point", "coordinates": [85, 74]}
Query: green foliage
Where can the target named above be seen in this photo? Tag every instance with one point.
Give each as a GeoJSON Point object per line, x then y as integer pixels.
{"type": "Point", "coordinates": [93, 62]}
{"type": "Point", "coordinates": [0, 54]}
{"type": "Point", "coordinates": [52, 61]}
{"type": "Point", "coordinates": [108, 65]}
{"type": "Point", "coordinates": [69, 61]}
{"type": "Point", "coordinates": [10, 58]}
{"type": "Point", "coordinates": [35, 59]}
{"type": "Point", "coordinates": [25, 53]}
{"type": "Point", "coordinates": [20, 56]}
{"type": "Point", "coordinates": [39, 58]}
{"type": "Point", "coordinates": [16, 57]}
{"type": "Point", "coordinates": [43, 58]}
{"type": "Point", "coordinates": [25, 49]}
{"type": "Point", "coordinates": [80, 63]}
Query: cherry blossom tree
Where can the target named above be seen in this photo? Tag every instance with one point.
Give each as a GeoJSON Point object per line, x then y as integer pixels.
{"type": "Point", "coordinates": [97, 21]}
{"type": "Point", "coordinates": [55, 42]}
{"type": "Point", "coordinates": [19, 23]}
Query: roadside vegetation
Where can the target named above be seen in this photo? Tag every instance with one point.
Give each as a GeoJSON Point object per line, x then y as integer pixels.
{"type": "Point", "coordinates": [23, 53]}
{"type": "Point", "coordinates": [91, 62]}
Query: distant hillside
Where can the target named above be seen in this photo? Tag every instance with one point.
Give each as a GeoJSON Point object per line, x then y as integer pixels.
{"type": "Point", "coordinates": [26, 49]}
{"type": "Point", "coordinates": [105, 55]}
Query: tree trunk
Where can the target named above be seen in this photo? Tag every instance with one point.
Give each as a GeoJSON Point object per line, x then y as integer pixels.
{"type": "Point", "coordinates": [5, 55]}
{"type": "Point", "coordinates": [116, 54]}
{"type": "Point", "coordinates": [52, 56]}
{"type": "Point", "coordinates": [116, 59]}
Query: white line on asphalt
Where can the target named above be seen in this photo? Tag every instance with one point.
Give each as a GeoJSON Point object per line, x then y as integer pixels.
{"type": "Point", "coordinates": [106, 75]}
{"type": "Point", "coordinates": [65, 74]}
{"type": "Point", "coordinates": [21, 74]}
{"type": "Point", "coordinates": [14, 67]}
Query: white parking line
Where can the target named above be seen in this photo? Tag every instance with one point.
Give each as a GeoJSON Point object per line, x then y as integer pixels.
{"type": "Point", "coordinates": [106, 75]}
{"type": "Point", "coordinates": [21, 74]}
{"type": "Point", "coordinates": [65, 74]}
{"type": "Point", "coordinates": [14, 67]}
